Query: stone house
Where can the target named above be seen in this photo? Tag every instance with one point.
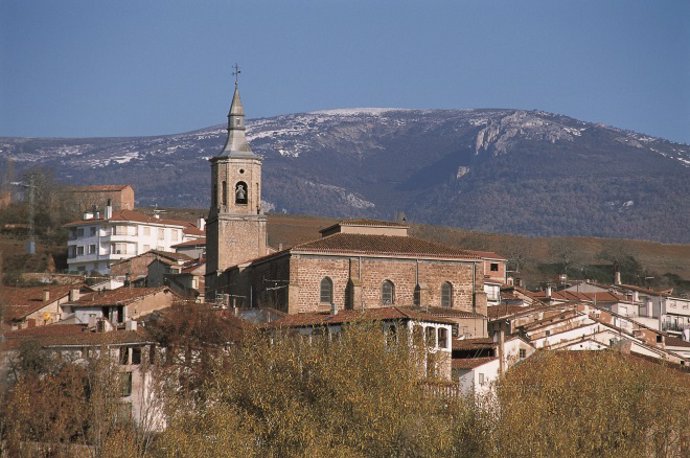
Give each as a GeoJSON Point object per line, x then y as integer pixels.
{"type": "Point", "coordinates": [120, 196]}
{"type": "Point", "coordinates": [117, 306]}
{"type": "Point", "coordinates": [131, 349]}
{"type": "Point", "coordinates": [24, 307]}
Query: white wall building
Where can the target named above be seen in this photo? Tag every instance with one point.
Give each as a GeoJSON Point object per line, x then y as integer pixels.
{"type": "Point", "coordinates": [99, 240]}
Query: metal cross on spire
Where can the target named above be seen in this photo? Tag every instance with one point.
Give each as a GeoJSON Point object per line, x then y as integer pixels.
{"type": "Point", "coordinates": [236, 73]}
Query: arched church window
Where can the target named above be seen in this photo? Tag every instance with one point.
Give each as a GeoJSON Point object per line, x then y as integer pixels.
{"type": "Point", "coordinates": [241, 192]}
{"type": "Point", "coordinates": [224, 193]}
{"type": "Point", "coordinates": [446, 295]}
{"type": "Point", "coordinates": [327, 290]}
{"type": "Point", "coordinates": [387, 292]}
{"type": "Point", "coordinates": [417, 298]}
{"type": "Point", "coordinates": [350, 295]}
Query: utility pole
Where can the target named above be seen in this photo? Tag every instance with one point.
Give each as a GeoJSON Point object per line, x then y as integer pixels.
{"type": "Point", "coordinates": [31, 243]}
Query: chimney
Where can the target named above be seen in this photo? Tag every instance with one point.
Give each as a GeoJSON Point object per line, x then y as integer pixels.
{"type": "Point", "coordinates": [548, 291]}
{"type": "Point", "coordinates": [74, 294]}
{"type": "Point", "coordinates": [201, 223]}
{"type": "Point", "coordinates": [636, 296]}
{"type": "Point", "coordinates": [46, 295]}
{"type": "Point", "coordinates": [108, 210]}
{"type": "Point", "coordinates": [617, 278]}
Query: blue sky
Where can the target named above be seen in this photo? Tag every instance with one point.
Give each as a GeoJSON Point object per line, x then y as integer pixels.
{"type": "Point", "coordinates": [126, 68]}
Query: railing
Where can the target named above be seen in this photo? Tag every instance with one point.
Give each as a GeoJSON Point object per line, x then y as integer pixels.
{"type": "Point", "coordinates": [674, 327]}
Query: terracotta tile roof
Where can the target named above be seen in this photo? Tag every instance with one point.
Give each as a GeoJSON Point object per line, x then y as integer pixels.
{"type": "Point", "coordinates": [167, 257]}
{"type": "Point", "coordinates": [449, 312]}
{"type": "Point", "coordinates": [72, 334]}
{"type": "Point", "coordinates": [363, 222]}
{"type": "Point", "coordinates": [348, 316]}
{"type": "Point", "coordinates": [21, 302]}
{"type": "Point", "coordinates": [191, 229]}
{"type": "Point", "coordinates": [98, 187]}
{"type": "Point", "coordinates": [676, 342]}
{"type": "Point", "coordinates": [471, 363]}
{"type": "Point", "coordinates": [137, 217]}
{"type": "Point", "coordinates": [381, 244]}
{"type": "Point", "coordinates": [55, 335]}
{"type": "Point", "coordinates": [196, 242]}
{"type": "Point", "coordinates": [120, 296]}
{"type": "Point", "coordinates": [575, 296]}
{"type": "Point", "coordinates": [474, 344]}
{"type": "Point", "coordinates": [97, 338]}
{"type": "Point", "coordinates": [487, 254]}
{"type": "Point", "coordinates": [497, 311]}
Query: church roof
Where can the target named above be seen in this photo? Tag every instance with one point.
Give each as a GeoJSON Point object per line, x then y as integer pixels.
{"type": "Point", "coordinates": [382, 245]}
{"type": "Point", "coordinates": [236, 144]}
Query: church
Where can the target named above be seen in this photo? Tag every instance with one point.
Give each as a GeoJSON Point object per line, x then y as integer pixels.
{"type": "Point", "coordinates": [356, 264]}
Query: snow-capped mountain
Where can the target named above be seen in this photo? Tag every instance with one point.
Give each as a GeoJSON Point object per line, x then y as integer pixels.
{"type": "Point", "coordinates": [502, 170]}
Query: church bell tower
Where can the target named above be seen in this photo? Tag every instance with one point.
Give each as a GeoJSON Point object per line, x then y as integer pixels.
{"type": "Point", "coordinates": [236, 225]}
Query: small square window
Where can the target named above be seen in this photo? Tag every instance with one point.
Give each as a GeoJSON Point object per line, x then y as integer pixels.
{"type": "Point", "coordinates": [523, 353]}
{"type": "Point", "coordinates": [494, 267]}
{"type": "Point", "coordinates": [93, 231]}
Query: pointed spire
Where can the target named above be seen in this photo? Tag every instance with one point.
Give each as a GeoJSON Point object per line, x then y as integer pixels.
{"type": "Point", "coordinates": [236, 144]}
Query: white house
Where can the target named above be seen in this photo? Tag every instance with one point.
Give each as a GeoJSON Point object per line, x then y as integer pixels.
{"type": "Point", "coordinates": [99, 240]}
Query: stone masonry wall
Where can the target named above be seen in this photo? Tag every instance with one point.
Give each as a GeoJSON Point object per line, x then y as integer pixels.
{"type": "Point", "coordinates": [307, 271]}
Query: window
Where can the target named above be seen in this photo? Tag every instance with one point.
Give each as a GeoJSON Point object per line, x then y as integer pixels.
{"type": "Point", "coordinates": [548, 333]}
{"type": "Point", "coordinates": [417, 298]}
{"type": "Point", "coordinates": [494, 267]}
{"type": "Point", "coordinates": [431, 336]}
{"type": "Point", "coordinates": [387, 292]}
{"type": "Point", "coordinates": [124, 356]}
{"type": "Point", "coordinates": [327, 290]}
{"type": "Point", "coordinates": [161, 233]}
{"type": "Point", "coordinates": [147, 231]}
{"type": "Point", "coordinates": [92, 231]}
{"type": "Point", "coordinates": [391, 334]}
{"type": "Point", "coordinates": [120, 230]}
{"type": "Point", "coordinates": [92, 249]}
{"type": "Point", "coordinates": [80, 232]}
{"type": "Point", "coordinates": [481, 378]}
{"type": "Point", "coordinates": [80, 251]}
{"type": "Point", "coordinates": [136, 355]}
{"type": "Point", "coordinates": [523, 353]}
{"type": "Point", "coordinates": [446, 295]}
{"type": "Point", "coordinates": [118, 248]}
{"type": "Point", "coordinates": [442, 337]}
{"type": "Point", "coordinates": [175, 235]}
{"type": "Point", "coordinates": [224, 193]}
{"type": "Point", "coordinates": [125, 384]}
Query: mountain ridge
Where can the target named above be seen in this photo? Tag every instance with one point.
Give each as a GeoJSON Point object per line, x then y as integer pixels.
{"type": "Point", "coordinates": [500, 170]}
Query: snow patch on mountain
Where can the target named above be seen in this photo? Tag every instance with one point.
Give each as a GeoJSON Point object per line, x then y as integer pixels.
{"type": "Point", "coordinates": [357, 111]}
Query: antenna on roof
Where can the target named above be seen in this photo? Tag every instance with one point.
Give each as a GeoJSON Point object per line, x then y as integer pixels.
{"type": "Point", "coordinates": [157, 211]}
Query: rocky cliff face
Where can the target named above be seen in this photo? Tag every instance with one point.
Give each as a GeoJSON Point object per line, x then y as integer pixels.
{"type": "Point", "coordinates": [526, 172]}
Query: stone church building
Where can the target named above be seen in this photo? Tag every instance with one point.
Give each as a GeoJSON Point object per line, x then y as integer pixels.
{"type": "Point", "coordinates": [358, 264]}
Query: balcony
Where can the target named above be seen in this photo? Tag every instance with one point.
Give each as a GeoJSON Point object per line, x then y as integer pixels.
{"type": "Point", "coordinates": [677, 327]}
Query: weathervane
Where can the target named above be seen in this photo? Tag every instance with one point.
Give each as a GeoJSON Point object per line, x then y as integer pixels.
{"type": "Point", "coordinates": [236, 73]}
